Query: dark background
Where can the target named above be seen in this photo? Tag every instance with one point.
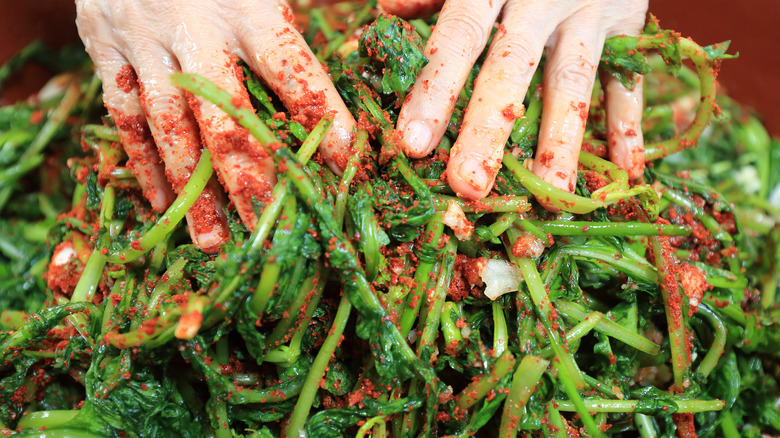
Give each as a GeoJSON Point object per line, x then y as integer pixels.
{"type": "Point", "coordinates": [753, 26]}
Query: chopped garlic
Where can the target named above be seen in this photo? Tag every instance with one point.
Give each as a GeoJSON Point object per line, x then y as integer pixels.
{"type": "Point", "coordinates": [500, 277]}
{"type": "Point", "coordinates": [528, 245]}
{"type": "Point", "coordinates": [455, 218]}
{"type": "Point", "coordinates": [64, 253]}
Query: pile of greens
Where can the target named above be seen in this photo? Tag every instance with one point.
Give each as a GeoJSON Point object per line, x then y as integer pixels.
{"type": "Point", "coordinates": [643, 308]}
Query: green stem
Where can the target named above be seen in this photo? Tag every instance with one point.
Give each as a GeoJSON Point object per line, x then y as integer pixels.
{"type": "Point", "coordinates": [645, 426]}
{"type": "Point", "coordinates": [578, 403]}
{"type": "Point", "coordinates": [422, 276]}
{"type": "Point", "coordinates": [608, 327]}
{"type": "Point", "coordinates": [272, 394]}
{"type": "Point", "coordinates": [93, 270]}
{"type": "Point", "coordinates": [47, 419]}
{"type": "Point", "coordinates": [433, 307]}
{"type": "Point", "coordinates": [432, 315]}
{"type": "Point", "coordinates": [269, 278]}
{"type": "Point", "coordinates": [301, 411]}
{"type": "Point", "coordinates": [173, 215]}
{"type": "Point", "coordinates": [165, 286]}
{"type": "Point", "coordinates": [452, 334]}
{"type": "Point", "coordinates": [529, 227]}
{"type": "Point", "coordinates": [584, 228]}
{"type": "Point", "coordinates": [546, 192]}
{"type": "Point", "coordinates": [301, 308]}
{"type": "Point", "coordinates": [638, 268]}
{"type": "Point", "coordinates": [221, 419]}
{"type": "Point", "coordinates": [503, 222]}
{"type": "Point", "coordinates": [547, 314]}
{"type": "Point", "coordinates": [728, 426]}
{"type": "Point", "coordinates": [628, 406]}
{"type": "Point", "coordinates": [673, 298]}
{"type": "Point", "coordinates": [715, 351]}
{"type": "Point", "coordinates": [707, 103]}
{"type": "Point", "coordinates": [577, 332]}
{"type": "Point", "coordinates": [555, 426]}
{"type": "Point", "coordinates": [504, 204]}
{"type": "Point", "coordinates": [349, 173]}
{"type": "Point", "coordinates": [479, 387]}
{"type": "Point", "coordinates": [524, 383]}
{"type": "Point", "coordinates": [312, 142]}
{"type": "Point", "coordinates": [102, 132]}
{"type": "Point", "coordinates": [500, 339]}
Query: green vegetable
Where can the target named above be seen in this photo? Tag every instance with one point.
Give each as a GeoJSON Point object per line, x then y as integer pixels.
{"type": "Point", "coordinates": [641, 308]}
{"type": "Point", "coordinates": [397, 50]}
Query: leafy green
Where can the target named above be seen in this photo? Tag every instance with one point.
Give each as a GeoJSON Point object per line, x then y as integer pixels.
{"type": "Point", "coordinates": [396, 49]}
{"type": "Point", "coordinates": [261, 338]}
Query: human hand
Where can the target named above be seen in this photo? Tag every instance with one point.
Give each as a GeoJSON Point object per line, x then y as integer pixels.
{"type": "Point", "coordinates": [573, 33]}
{"type": "Point", "coordinates": [137, 44]}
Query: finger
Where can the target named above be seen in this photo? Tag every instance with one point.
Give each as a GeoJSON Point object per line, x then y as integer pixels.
{"type": "Point", "coordinates": [569, 75]}
{"type": "Point", "coordinates": [120, 94]}
{"type": "Point", "coordinates": [624, 126]}
{"type": "Point", "coordinates": [176, 134]}
{"type": "Point", "coordinates": [410, 8]}
{"type": "Point", "coordinates": [497, 100]}
{"type": "Point", "coordinates": [243, 166]}
{"type": "Point", "coordinates": [279, 54]}
{"type": "Point", "coordinates": [460, 35]}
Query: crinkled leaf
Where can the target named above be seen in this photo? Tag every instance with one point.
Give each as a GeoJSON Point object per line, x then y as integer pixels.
{"type": "Point", "coordinates": [396, 50]}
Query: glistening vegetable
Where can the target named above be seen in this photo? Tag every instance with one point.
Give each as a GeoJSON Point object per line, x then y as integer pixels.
{"type": "Point", "coordinates": [359, 305]}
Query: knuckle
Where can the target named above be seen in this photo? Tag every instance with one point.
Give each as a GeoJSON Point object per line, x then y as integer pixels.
{"type": "Point", "coordinates": [156, 102]}
{"type": "Point", "coordinates": [573, 76]}
{"type": "Point", "coordinates": [461, 30]}
{"type": "Point", "coordinates": [516, 53]}
{"type": "Point", "coordinates": [280, 40]}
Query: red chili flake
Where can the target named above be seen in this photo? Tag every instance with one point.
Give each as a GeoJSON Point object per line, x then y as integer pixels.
{"type": "Point", "coordinates": [512, 112]}
{"type": "Point", "coordinates": [546, 158]}
{"type": "Point", "coordinates": [126, 79]}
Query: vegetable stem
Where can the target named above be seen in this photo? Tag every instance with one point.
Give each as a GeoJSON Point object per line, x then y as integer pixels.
{"type": "Point", "coordinates": [479, 387]}
{"type": "Point", "coordinates": [628, 406]}
{"type": "Point", "coordinates": [673, 298]}
{"type": "Point", "coordinates": [301, 411]}
{"type": "Point", "coordinates": [172, 216]}
{"type": "Point", "coordinates": [608, 327]}
{"type": "Point", "coordinates": [548, 314]}
{"type": "Point", "coordinates": [524, 383]}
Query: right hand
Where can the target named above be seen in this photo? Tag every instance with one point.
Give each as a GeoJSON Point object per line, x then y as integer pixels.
{"type": "Point", "coordinates": [572, 32]}
{"type": "Point", "coordinates": [137, 44]}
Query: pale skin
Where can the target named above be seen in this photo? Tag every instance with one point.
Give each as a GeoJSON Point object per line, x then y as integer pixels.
{"type": "Point", "coordinates": [573, 33]}
{"type": "Point", "coordinates": [163, 131]}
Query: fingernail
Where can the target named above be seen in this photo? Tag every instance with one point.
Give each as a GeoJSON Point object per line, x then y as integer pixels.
{"type": "Point", "coordinates": [418, 137]}
{"type": "Point", "coordinates": [210, 242]}
{"type": "Point", "coordinates": [473, 172]}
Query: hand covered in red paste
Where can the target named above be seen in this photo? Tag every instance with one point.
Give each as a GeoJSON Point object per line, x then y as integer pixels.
{"type": "Point", "coordinates": [572, 32]}
{"type": "Point", "coordinates": [137, 44]}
